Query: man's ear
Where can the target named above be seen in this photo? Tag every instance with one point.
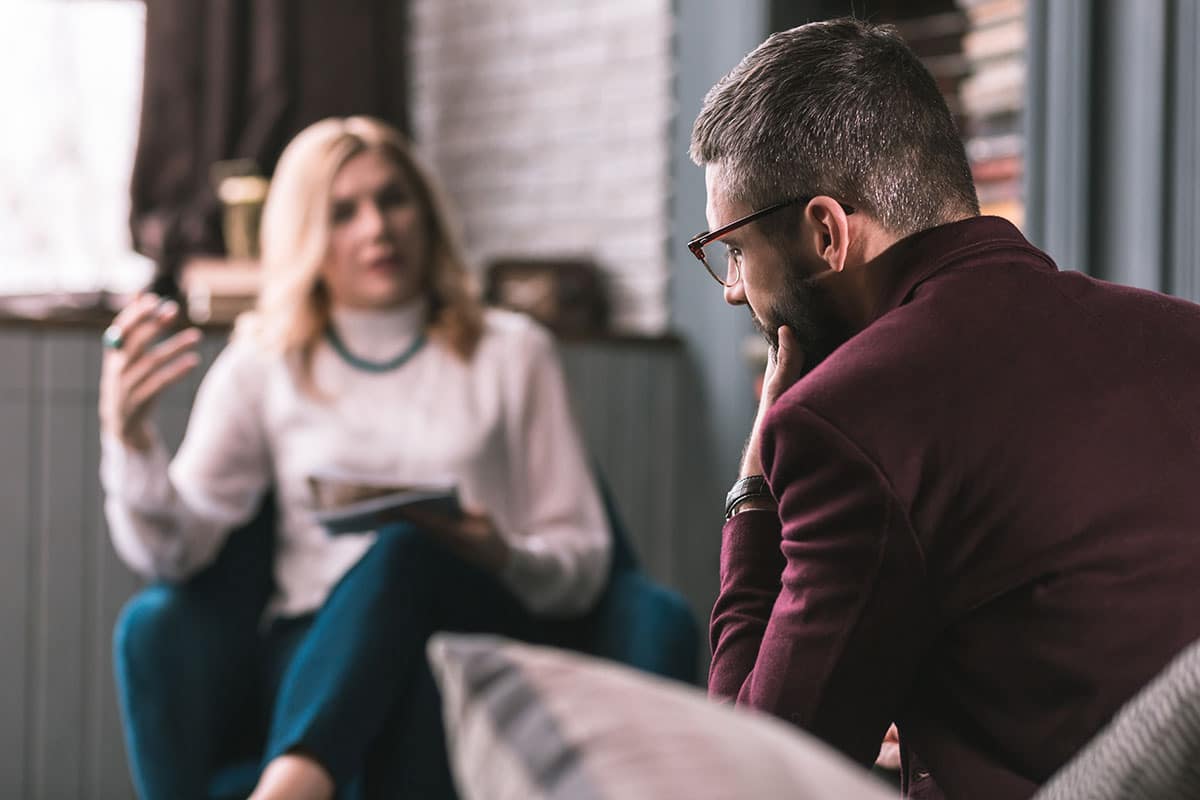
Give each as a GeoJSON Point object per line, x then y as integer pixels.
{"type": "Point", "coordinates": [830, 231]}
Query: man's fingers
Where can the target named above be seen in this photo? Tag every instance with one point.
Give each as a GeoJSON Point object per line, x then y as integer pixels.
{"type": "Point", "coordinates": [785, 367]}
{"type": "Point", "coordinates": [788, 356]}
{"type": "Point", "coordinates": [786, 341]}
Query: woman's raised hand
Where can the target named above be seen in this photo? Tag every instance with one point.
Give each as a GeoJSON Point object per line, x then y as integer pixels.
{"type": "Point", "coordinates": [139, 364]}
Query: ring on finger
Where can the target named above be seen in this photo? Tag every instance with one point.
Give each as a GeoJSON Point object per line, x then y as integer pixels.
{"type": "Point", "coordinates": [113, 337]}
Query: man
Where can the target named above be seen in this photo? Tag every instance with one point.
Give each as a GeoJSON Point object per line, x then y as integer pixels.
{"type": "Point", "coordinates": [968, 503]}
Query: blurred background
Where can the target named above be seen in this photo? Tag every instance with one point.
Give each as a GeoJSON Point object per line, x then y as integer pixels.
{"type": "Point", "coordinates": [138, 136]}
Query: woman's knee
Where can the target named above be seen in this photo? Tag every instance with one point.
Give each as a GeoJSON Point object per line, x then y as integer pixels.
{"type": "Point", "coordinates": [147, 623]}
{"type": "Point", "coordinates": [164, 625]}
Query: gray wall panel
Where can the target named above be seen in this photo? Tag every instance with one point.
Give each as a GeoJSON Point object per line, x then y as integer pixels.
{"type": "Point", "coordinates": [90, 674]}
{"type": "Point", "coordinates": [57, 746]}
{"type": "Point", "coordinates": [114, 585]}
{"type": "Point", "coordinates": [630, 435]}
{"type": "Point", "coordinates": [64, 633]}
{"type": "Point", "coordinates": [1112, 174]}
{"type": "Point", "coordinates": [68, 363]}
{"type": "Point", "coordinates": [1057, 169]}
{"type": "Point", "coordinates": [644, 464]}
{"type": "Point", "coordinates": [1184, 171]}
{"type": "Point", "coordinates": [108, 584]}
{"type": "Point", "coordinates": [15, 364]}
{"type": "Point", "coordinates": [1128, 130]}
{"type": "Point", "coordinates": [663, 516]}
{"type": "Point", "coordinates": [15, 544]}
{"type": "Point", "coordinates": [718, 406]}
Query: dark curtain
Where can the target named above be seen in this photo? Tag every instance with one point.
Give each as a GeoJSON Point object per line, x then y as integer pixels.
{"type": "Point", "coordinates": [237, 79]}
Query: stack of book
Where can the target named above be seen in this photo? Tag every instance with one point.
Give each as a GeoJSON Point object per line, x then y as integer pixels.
{"type": "Point", "coordinates": [936, 36]}
{"type": "Point", "coordinates": [216, 290]}
{"type": "Point", "coordinates": [993, 100]}
{"type": "Point", "coordinates": [976, 52]}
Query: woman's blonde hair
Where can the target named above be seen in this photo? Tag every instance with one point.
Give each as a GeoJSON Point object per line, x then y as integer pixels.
{"type": "Point", "coordinates": [293, 308]}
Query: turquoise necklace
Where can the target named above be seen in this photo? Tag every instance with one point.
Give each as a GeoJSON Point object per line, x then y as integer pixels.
{"type": "Point", "coordinates": [373, 366]}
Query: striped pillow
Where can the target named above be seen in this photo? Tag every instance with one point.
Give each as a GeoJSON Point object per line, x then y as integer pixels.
{"type": "Point", "coordinates": [535, 723]}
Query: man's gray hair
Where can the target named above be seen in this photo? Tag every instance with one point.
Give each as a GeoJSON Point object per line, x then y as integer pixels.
{"type": "Point", "coordinates": [840, 108]}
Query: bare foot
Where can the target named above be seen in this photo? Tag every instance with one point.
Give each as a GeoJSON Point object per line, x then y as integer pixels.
{"type": "Point", "coordinates": [294, 777]}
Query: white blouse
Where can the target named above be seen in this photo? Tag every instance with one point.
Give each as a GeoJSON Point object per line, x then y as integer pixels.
{"type": "Point", "coordinates": [499, 426]}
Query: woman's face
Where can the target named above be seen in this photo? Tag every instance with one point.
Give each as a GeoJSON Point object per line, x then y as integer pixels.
{"type": "Point", "coordinates": [378, 248]}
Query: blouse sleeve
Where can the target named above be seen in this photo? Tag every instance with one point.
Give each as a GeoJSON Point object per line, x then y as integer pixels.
{"type": "Point", "coordinates": [169, 521]}
{"type": "Point", "coordinates": [559, 560]}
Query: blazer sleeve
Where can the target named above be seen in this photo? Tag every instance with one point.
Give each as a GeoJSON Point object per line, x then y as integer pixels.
{"type": "Point", "coordinates": [823, 613]}
{"type": "Point", "coordinates": [168, 521]}
{"type": "Point", "coordinates": [561, 551]}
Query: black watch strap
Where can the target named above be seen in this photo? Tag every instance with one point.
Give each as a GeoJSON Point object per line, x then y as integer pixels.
{"type": "Point", "coordinates": [744, 489]}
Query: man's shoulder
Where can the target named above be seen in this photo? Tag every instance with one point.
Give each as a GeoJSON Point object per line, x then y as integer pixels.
{"type": "Point", "coordinates": [936, 339]}
{"type": "Point", "coordinates": [901, 351]}
{"type": "Point", "coordinates": [892, 389]}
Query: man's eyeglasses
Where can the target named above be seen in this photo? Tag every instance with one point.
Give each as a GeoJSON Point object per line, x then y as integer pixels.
{"type": "Point", "coordinates": [709, 249]}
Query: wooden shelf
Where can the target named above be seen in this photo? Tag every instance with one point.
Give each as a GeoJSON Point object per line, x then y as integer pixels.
{"type": "Point", "coordinates": [218, 289]}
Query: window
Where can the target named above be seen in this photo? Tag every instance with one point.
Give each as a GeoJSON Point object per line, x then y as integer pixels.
{"type": "Point", "coordinates": [71, 95]}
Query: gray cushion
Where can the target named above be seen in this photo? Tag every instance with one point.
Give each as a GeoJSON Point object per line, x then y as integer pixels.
{"type": "Point", "coordinates": [534, 723]}
{"type": "Point", "coordinates": [1150, 750]}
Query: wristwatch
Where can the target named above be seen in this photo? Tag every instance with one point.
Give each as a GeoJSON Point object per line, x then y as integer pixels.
{"type": "Point", "coordinates": [751, 486]}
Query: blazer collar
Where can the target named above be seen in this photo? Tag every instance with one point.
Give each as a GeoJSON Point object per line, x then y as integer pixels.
{"type": "Point", "coordinates": [899, 270]}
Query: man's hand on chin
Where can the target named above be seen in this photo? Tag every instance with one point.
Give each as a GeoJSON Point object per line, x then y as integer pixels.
{"type": "Point", "coordinates": [784, 367]}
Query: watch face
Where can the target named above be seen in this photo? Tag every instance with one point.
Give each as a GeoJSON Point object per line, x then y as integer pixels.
{"type": "Point", "coordinates": [747, 488]}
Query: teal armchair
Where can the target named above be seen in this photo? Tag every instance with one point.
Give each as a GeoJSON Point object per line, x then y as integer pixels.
{"type": "Point", "coordinates": [636, 622]}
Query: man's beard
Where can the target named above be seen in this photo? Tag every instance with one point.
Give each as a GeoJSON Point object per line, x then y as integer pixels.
{"type": "Point", "coordinates": [806, 307]}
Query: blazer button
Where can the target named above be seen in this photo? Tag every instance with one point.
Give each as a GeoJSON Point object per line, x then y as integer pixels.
{"type": "Point", "coordinates": [920, 775]}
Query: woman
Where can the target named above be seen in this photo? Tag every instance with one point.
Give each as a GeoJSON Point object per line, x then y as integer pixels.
{"type": "Point", "coordinates": [369, 355]}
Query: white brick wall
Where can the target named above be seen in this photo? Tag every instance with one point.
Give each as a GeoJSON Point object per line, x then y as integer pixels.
{"type": "Point", "coordinates": [548, 121]}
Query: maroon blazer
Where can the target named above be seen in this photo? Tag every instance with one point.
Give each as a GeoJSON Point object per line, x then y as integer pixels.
{"type": "Point", "coordinates": [989, 518]}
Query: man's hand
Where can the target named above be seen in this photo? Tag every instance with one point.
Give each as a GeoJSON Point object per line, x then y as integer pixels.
{"type": "Point", "coordinates": [784, 367]}
{"type": "Point", "coordinates": [889, 750]}
{"type": "Point", "coordinates": [473, 537]}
